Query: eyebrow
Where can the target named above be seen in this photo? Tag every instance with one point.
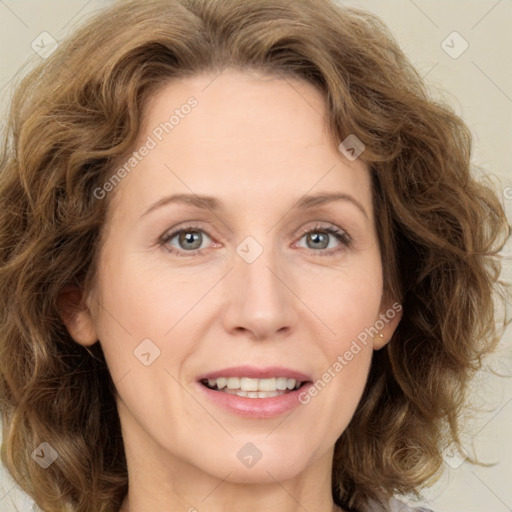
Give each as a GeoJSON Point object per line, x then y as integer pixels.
{"type": "Point", "coordinates": [213, 204]}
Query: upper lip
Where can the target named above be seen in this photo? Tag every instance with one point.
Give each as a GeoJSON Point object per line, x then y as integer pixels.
{"type": "Point", "coordinates": [257, 373]}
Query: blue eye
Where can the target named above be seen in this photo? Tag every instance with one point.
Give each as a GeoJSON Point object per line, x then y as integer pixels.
{"type": "Point", "coordinates": [319, 236]}
{"type": "Point", "coordinates": [191, 238]}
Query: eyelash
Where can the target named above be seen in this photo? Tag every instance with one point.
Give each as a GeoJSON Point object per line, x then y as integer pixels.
{"type": "Point", "coordinates": [340, 235]}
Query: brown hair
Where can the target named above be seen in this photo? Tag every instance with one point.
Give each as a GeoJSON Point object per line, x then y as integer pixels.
{"type": "Point", "coordinates": [439, 229]}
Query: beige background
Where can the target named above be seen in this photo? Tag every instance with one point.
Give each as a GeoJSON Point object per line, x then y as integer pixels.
{"type": "Point", "coordinates": [478, 84]}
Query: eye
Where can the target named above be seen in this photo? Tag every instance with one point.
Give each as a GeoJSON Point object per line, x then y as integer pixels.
{"type": "Point", "coordinates": [189, 239]}
{"type": "Point", "coordinates": [319, 237]}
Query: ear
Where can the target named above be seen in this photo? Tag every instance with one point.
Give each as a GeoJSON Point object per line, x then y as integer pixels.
{"type": "Point", "coordinates": [386, 323]}
{"type": "Point", "coordinates": [76, 315]}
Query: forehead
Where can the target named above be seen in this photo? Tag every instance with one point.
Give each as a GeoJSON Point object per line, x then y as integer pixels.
{"type": "Point", "coordinates": [256, 135]}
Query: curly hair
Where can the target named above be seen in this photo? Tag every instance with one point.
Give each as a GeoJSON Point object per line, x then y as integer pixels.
{"type": "Point", "coordinates": [72, 119]}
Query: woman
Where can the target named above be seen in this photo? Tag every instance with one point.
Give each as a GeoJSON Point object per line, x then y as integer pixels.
{"type": "Point", "coordinates": [311, 349]}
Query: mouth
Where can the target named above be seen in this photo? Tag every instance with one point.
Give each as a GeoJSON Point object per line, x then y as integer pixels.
{"type": "Point", "coordinates": [276, 389]}
{"type": "Point", "coordinates": [252, 387]}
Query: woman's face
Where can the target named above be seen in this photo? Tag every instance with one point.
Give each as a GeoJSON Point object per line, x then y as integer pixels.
{"type": "Point", "coordinates": [243, 293]}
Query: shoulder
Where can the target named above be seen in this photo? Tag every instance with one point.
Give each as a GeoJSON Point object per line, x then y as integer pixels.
{"type": "Point", "coordinates": [396, 505]}
{"type": "Point", "coordinates": [399, 506]}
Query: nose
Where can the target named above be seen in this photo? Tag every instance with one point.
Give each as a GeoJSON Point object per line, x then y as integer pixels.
{"type": "Point", "coordinates": [260, 301]}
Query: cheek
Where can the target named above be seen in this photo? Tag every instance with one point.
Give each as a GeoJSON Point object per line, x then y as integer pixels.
{"type": "Point", "coordinates": [143, 301]}
{"type": "Point", "coordinates": [349, 309]}
{"type": "Point", "coordinates": [347, 303]}
{"type": "Point", "coordinates": [139, 303]}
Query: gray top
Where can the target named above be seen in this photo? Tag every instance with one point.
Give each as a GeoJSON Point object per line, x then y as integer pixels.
{"type": "Point", "coordinates": [396, 505]}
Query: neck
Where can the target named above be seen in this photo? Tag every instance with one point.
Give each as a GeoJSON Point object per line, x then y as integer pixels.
{"type": "Point", "coordinates": [160, 479]}
{"type": "Point", "coordinates": [227, 496]}
{"type": "Point", "coordinates": [125, 507]}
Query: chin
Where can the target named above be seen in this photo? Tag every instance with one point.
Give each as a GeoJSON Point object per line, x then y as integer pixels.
{"type": "Point", "coordinates": [248, 464]}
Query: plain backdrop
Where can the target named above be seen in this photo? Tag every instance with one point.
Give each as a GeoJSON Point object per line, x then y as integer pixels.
{"type": "Point", "coordinates": [463, 49]}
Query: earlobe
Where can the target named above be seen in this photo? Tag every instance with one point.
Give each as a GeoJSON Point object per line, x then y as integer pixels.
{"type": "Point", "coordinates": [383, 337]}
{"type": "Point", "coordinates": [379, 341]}
{"type": "Point", "coordinates": [77, 316]}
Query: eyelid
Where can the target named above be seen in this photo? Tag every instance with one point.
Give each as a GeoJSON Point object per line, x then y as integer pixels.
{"type": "Point", "coordinates": [340, 234]}
{"type": "Point", "coordinates": [173, 232]}
{"type": "Point", "coordinates": [320, 226]}
{"type": "Point", "coordinates": [324, 226]}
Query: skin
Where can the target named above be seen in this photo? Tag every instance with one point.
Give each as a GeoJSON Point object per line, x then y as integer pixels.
{"type": "Point", "coordinates": [258, 143]}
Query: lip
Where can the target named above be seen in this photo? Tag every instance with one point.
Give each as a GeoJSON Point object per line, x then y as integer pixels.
{"type": "Point", "coordinates": [255, 407]}
{"type": "Point", "coordinates": [257, 373]}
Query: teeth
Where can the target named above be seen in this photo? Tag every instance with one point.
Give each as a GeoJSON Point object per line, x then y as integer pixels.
{"type": "Point", "coordinates": [253, 386]}
{"type": "Point", "coordinates": [254, 394]}
{"type": "Point", "coordinates": [268, 394]}
{"type": "Point", "coordinates": [281, 383]}
{"type": "Point", "coordinates": [247, 384]}
{"type": "Point", "coordinates": [233, 383]}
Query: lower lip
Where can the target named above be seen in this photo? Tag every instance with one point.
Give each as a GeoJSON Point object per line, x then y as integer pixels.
{"type": "Point", "coordinates": [256, 407]}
